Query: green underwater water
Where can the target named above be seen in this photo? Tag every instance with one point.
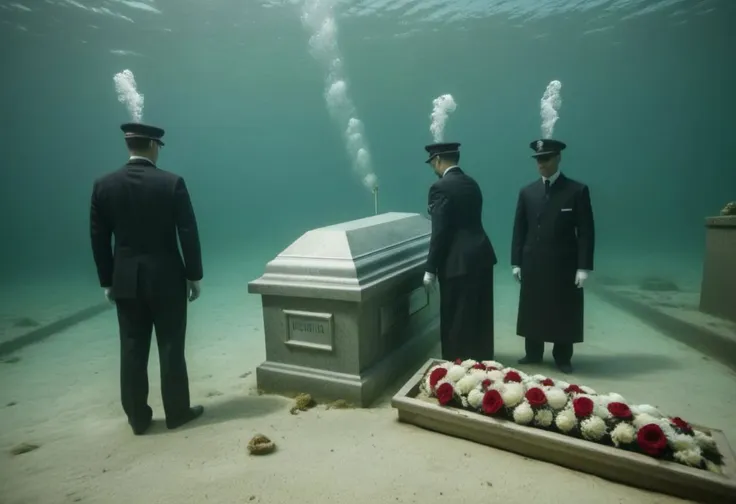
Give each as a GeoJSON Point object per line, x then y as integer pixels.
{"type": "Point", "coordinates": [647, 107]}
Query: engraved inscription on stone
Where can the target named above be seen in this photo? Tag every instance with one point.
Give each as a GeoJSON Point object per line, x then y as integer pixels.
{"type": "Point", "coordinates": [309, 330]}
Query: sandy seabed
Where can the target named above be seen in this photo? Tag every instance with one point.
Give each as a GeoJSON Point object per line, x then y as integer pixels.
{"type": "Point", "coordinates": [62, 395]}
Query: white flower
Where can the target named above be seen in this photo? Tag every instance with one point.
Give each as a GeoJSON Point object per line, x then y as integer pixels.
{"type": "Point", "coordinates": [497, 385]}
{"type": "Point", "coordinates": [495, 376]}
{"type": "Point", "coordinates": [492, 363]}
{"type": "Point", "coordinates": [523, 413]}
{"type": "Point", "coordinates": [623, 433]}
{"type": "Point", "coordinates": [603, 400]}
{"type": "Point", "coordinates": [464, 401]}
{"type": "Point", "coordinates": [588, 390]}
{"type": "Point", "coordinates": [456, 373]}
{"type": "Point", "coordinates": [682, 442]}
{"type": "Point", "coordinates": [556, 398]}
{"type": "Point", "coordinates": [646, 409]}
{"type": "Point", "coordinates": [642, 419]}
{"type": "Point", "coordinates": [561, 384]}
{"type": "Point", "coordinates": [512, 394]}
{"type": "Point", "coordinates": [714, 468]}
{"type": "Point", "coordinates": [475, 398]}
{"type": "Point", "coordinates": [704, 441]}
{"type": "Point", "coordinates": [615, 398]}
{"type": "Point", "coordinates": [600, 408]}
{"type": "Point", "coordinates": [544, 417]}
{"type": "Point", "coordinates": [565, 420]}
{"type": "Point", "coordinates": [667, 428]}
{"type": "Point", "coordinates": [593, 428]}
{"type": "Point", "coordinates": [692, 457]}
{"type": "Point", "coordinates": [468, 363]}
{"type": "Point", "coordinates": [529, 381]}
{"type": "Point", "coordinates": [481, 373]}
{"type": "Point", "coordinates": [468, 383]}
{"type": "Point", "coordinates": [539, 378]}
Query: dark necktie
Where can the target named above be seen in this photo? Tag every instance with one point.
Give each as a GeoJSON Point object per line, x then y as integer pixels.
{"type": "Point", "coordinates": [546, 189]}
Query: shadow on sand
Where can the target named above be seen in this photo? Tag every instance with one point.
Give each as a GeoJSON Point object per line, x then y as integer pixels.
{"type": "Point", "coordinates": [227, 409]}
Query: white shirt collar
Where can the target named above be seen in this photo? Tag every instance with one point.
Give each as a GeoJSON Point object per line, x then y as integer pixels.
{"type": "Point", "coordinates": [552, 178]}
{"type": "Point", "coordinates": [143, 158]}
{"type": "Point", "coordinates": [450, 168]}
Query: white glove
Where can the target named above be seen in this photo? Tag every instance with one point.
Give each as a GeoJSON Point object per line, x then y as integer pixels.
{"type": "Point", "coordinates": [193, 290]}
{"type": "Point", "coordinates": [429, 280]}
{"type": "Point", "coordinates": [516, 271]}
{"type": "Point", "coordinates": [108, 294]}
{"type": "Point", "coordinates": [580, 278]}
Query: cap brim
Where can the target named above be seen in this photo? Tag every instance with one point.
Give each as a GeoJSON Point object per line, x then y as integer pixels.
{"type": "Point", "coordinates": [157, 140]}
{"type": "Point", "coordinates": [545, 153]}
{"type": "Point", "coordinates": [434, 155]}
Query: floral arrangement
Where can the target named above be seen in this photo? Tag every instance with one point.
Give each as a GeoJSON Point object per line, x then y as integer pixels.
{"type": "Point", "coordinates": [489, 388]}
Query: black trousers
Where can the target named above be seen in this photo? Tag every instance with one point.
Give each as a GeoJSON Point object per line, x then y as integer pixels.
{"type": "Point", "coordinates": [561, 352]}
{"type": "Point", "coordinates": [137, 319]}
{"type": "Point", "coordinates": [466, 316]}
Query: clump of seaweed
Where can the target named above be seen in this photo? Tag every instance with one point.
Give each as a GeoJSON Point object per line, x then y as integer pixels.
{"type": "Point", "coordinates": [339, 404]}
{"type": "Point", "coordinates": [261, 445]}
{"type": "Point", "coordinates": [729, 209]}
{"type": "Point", "coordinates": [655, 284]}
{"type": "Point", "coordinates": [302, 402]}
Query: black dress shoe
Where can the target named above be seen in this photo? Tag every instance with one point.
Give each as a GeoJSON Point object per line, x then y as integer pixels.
{"type": "Point", "coordinates": [141, 428]}
{"type": "Point", "coordinates": [194, 412]}
{"type": "Point", "coordinates": [565, 368]}
{"type": "Point", "coordinates": [527, 360]}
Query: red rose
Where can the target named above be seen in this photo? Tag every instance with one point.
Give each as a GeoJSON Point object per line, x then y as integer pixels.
{"type": "Point", "coordinates": [436, 376]}
{"type": "Point", "coordinates": [547, 382]}
{"type": "Point", "coordinates": [681, 424]}
{"type": "Point", "coordinates": [512, 376]}
{"type": "Point", "coordinates": [486, 383]}
{"type": "Point", "coordinates": [536, 397]}
{"type": "Point", "coordinates": [574, 389]}
{"type": "Point", "coordinates": [491, 368]}
{"type": "Point", "coordinates": [492, 402]}
{"type": "Point", "coordinates": [458, 361]}
{"type": "Point", "coordinates": [619, 410]}
{"type": "Point", "coordinates": [651, 440]}
{"type": "Point", "coordinates": [445, 393]}
{"type": "Point", "coordinates": [583, 406]}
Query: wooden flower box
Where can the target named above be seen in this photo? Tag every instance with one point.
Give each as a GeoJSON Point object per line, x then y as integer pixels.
{"type": "Point", "coordinates": [607, 462]}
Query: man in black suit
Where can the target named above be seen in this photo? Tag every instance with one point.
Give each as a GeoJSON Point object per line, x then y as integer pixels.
{"type": "Point", "coordinates": [145, 208]}
{"type": "Point", "coordinates": [461, 257]}
{"type": "Point", "coordinates": [551, 256]}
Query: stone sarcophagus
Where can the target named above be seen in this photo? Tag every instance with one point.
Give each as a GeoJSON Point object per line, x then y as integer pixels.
{"type": "Point", "coordinates": [344, 310]}
{"type": "Point", "coordinates": [718, 289]}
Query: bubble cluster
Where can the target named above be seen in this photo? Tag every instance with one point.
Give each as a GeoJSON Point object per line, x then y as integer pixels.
{"type": "Point", "coordinates": [128, 94]}
{"type": "Point", "coordinates": [550, 106]}
{"type": "Point", "coordinates": [442, 107]}
{"type": "Point", "coordinates": [317, 16]}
